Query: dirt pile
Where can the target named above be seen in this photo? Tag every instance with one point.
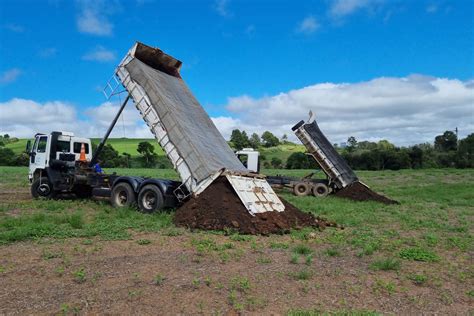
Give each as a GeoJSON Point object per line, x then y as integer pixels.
{"type": "Point", "coordinates": [219, 207]}
{"type": "Point", "coordinates": [359, 192]}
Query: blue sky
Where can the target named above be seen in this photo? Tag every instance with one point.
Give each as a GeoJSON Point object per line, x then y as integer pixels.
{"type": "Point", "coordinates": [239, 55]}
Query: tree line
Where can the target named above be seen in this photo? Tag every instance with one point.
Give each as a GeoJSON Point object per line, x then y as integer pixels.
{"type": "Point", "coordinates": [148, 158]}
{"type": "Point", "coordinates": [239, 140]}
{"type": "Point", "coordinates": [445, 151]}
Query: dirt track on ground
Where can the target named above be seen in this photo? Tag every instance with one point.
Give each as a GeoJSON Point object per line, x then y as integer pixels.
{"type": "Point", "coordinates": [199, 273]}
{"type": "Point", "coordinates": [120, 278]}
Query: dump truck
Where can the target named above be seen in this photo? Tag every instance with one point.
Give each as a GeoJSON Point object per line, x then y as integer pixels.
{"type": "Point", "coordinates": [189, 138]}
{"type": "Point", "coordinates": [338, 174]}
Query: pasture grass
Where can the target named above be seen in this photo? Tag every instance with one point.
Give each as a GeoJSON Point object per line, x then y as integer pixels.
{"type": "Point", "coordinates": [436, 216]}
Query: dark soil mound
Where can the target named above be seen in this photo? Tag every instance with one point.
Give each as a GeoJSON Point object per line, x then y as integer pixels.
{"type": "Point", "coordinates": [359, 192]}
{"type": "Point", "coordinates": [219, 207]}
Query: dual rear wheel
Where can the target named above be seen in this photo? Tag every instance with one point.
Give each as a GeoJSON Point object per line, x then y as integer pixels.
{"type": "Point", "coordinates": [317, 189]}
{"type": "Point", "coordinates": [149, 199]}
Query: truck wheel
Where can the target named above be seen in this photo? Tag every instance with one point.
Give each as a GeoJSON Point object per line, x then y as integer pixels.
{"type": "Point", "coordinates": [122, 195]}
{"type": "Point", "coordinates": [320, 190]}
{"type": "Point", "coordinates": [41, 187]}
{"type": "Point", "coordinates": [301, 189]}
{"type": "Point", "coordinates": [150, 199]}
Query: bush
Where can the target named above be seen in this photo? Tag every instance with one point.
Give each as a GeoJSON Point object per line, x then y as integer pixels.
{"type": "Point", "coordinates": [276, 163]}
{"type": "Point", "coordinates": [7, 157]}
{"type": "Point", "coordinates": [300, 161]}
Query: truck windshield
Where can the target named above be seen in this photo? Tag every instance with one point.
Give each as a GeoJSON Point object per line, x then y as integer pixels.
{"type": "Point", "coordinates": [42, 144]}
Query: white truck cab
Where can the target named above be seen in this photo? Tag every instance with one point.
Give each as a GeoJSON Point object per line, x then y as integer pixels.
{"type": "Point", "coordinates": [48, 147]}
{"type": "Point", "coordinates": [250, 158]}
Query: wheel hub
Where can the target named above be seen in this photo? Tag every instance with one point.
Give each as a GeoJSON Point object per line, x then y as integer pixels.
{"type": "Point", "coordinates": [44, 189]}
{"type": "Point", "coordinates": [149, 200]}
{"type": "Point", "coordinates": [122, 196]}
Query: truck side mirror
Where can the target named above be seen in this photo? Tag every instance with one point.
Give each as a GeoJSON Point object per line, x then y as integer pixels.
{"type": "Point", "coordinates": [28, 146]}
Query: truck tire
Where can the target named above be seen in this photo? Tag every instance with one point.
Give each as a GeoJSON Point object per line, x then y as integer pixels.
{"type": "Point", "coordinates": [301, 189]}
{"type": "Point", "coordinates": [41, 187]}
{"type": "Point", "coordinates": [122, 195]}
{"type": "Point", "coordinates": [150, 199]}
{"type": "Point", "coordinates": [320, 190]}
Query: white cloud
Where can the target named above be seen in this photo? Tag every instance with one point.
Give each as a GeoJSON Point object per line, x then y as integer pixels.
{"type": "Point", "coordinates": [221, 7]}
{"type": "Point", "coordinates": [10, 75]}
{"type": "Point", "coordinates": [93, 17]}
{"type": "Point", "coordinates": [308, 26]}
{"type": "Point", "coordinates": [225, 125]}
{"type": "Point", "coordinates": [100, 54]}
{"type": "Point", "coordinates": [342, 8]}
{"type": "Point", "coordinates": [31, 117]}
{"type": "Point", "coordinates": [404, 110]}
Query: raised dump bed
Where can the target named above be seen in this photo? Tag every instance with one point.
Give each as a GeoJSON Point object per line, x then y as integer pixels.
{"type": "Point", "coordinates": [184, 130]}
{"type": "Point", "coordinates": [336, 168]}
{"type": "Point", "coordinates": [342, 178]}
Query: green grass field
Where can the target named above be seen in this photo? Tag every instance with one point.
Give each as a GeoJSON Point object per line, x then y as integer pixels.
{"type": "Point", "coordinates": [426, 241]}
{"type": "Point", "coordinates": [437, 202]}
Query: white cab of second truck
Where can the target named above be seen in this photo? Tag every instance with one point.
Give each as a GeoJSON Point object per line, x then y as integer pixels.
{"type": "Point", "coordinates": [252, 158]}
{"type": "Point", "coordinates": [183, 129]}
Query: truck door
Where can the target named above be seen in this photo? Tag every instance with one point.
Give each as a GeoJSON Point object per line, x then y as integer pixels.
{"type": "Point", "coordinates": [39, 157]}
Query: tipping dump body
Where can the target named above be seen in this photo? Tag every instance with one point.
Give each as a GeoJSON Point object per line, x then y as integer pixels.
{"type": "Point", "coordinates": [183, 129]}
{"type": "Point", "coordinates": [335, 167]}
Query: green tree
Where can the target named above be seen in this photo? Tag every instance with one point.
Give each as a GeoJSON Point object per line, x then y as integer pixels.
{"type": "Point", "coordinates": [276, 162]}
{"type": "Point", "coordinates": [109, 157]}
{"type": "Point", "coordinates": [7, 157]}
{"type": "Point", "coordinates": [239, 139]}
{"type": "Point", "coordinates": [448, 141]}
{"type": "Point", "coordinates": [270, 140]}
{"type": "Point", "coordinates": [300, 160]}
{"type": "Point", "coordinates": [147, 151]}
{"type": "Point", "coordinates": [127, 159]}
{"type": "Point", "coordinates": [385, 145]}
{"type": "Point", "coordinates": [22, 159]}
{"type": "Point", "coordinates": [254, 141]}
{"type": "Point", "coordinates": [351, 144]}
{"type": "Point", "coordinates": [465, 154]}
{"type": "Point", "coordinates": [416, 157]}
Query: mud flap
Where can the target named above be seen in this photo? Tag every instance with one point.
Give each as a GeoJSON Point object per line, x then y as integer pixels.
{"type": "Point", "coordinates": [256, 194]}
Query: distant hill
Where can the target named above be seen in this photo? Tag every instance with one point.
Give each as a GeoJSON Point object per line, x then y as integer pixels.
{"type": "Point", "coordinates": [129, 146]}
